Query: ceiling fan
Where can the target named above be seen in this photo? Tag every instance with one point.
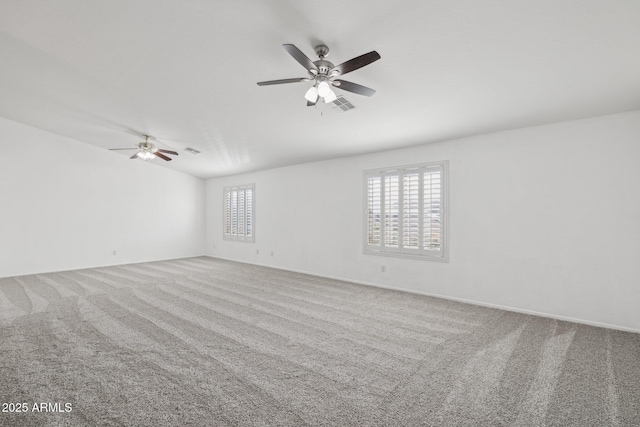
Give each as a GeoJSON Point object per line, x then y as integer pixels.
{"type": "Point", "coordinates": [146, 151]}
{"type": "Point", "coordinates": [324, 74]}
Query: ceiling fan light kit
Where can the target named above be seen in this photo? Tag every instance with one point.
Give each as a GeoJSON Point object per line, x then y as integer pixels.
{"type": "Point", "coordinates": [325, 92]}
{"type": "Point", "coordinates": [145, 150]}
{"type": "Point", "coordinates": [324, 74]}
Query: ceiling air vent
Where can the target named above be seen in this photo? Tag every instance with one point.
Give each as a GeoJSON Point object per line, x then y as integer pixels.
{"type": "Point", "coordinates": [343, 104]}
{"type": "Point", "coordinates": [192, 150]}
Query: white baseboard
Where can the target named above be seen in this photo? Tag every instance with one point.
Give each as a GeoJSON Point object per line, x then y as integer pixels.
{"type": "Point", "coordinates": [114, 264]}
{"type": "Point", "coordinates": [448, 297]}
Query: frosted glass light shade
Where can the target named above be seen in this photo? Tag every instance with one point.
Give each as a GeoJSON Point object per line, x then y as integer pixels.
{"type": "Point", "coordinates": [145, 155]}
{"type": "Point", "coordinates": [312, 94]}
{"type": "Point", "coordinates": [330, 97]}
{"type": "Point", "coordinates": [324, 89]}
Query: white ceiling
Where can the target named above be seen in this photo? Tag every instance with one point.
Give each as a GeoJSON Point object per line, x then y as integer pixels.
{"type": "Point", "coordinates": [106, 71]}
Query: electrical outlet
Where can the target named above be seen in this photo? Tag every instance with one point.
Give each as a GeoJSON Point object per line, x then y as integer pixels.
{"type": "Point", "coordinates": [115, 252]}
{"type": "Point", "coordinates": [257, 251]}
{"type": "Point", "coordinates": [383, 268]}
{"type": "Point", "coordinates": [271, 253]}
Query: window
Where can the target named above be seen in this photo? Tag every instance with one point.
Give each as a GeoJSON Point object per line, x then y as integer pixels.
{"type": "Point", "coordinates": [239, 213]}
{"type": "Point", "coordinates": [406, 211]}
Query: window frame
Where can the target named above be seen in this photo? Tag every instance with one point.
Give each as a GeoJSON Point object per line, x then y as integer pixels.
{"type": "Point", "coordinates": [252, 217]}
{"type": "Point", "coordinates": [406, 252]}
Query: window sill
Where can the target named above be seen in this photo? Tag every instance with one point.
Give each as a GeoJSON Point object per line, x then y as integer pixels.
{"type": "Point", "coordinates": [442, 258]}
{"type": "Point", "coordinates": [236, 239]}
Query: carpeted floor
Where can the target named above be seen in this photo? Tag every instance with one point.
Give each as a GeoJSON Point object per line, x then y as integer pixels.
{"type": "Point", "coordinates": [206, 342]}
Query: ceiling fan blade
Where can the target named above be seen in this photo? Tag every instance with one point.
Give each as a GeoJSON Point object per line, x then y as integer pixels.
{"type": "Point", "coordinates": [168, 152]}
{"type": "Point", "coordinates": [116, 149]}
{"type": "Point", "coordinates": [300, 57]}
{"type": "Point", "coordinates": [354, 87]}
{"type": "Point", "coordinates": [281, 81]}
{"type": "Point", "coordinates": [162, 156]}
{"type": "Point", "coordinates": [135, 156]}
{"type": "Point", "coordinates": [357, 62]}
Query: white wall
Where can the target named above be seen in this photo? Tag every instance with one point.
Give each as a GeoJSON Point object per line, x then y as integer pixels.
{"type": "Point", "coordinates": [543, 219]}
{"type": "Point", "coordinates": [66, 205]}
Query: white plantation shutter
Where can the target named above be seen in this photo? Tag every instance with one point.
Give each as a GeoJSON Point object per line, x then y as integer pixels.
{"type": "Point", "coordinates": [227, 213]}
{"type": "Point", "coordinates": [391, 197]}
{"type": "Point", "coordinates": [411, 211]}
{"type": "Point", "coordinates": [432, 224]}
{"type": "Point", "coordinates": [234, 212]}
{"type": "Point", "coordinates": [405, 211]}
{"type": "Point", "coordinates": [238, 213]}
{"type": "Point", "coordinates": [374, 210]}
{"type": "Point", "coordinates": [242, 218]}
{"type": "Point", "coordinates": [249, 214]}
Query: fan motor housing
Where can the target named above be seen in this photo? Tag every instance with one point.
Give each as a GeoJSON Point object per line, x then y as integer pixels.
{"type": "Point", "coordinates": [323, 66]}
{"type": "Point", "coordinates": [146, 146]}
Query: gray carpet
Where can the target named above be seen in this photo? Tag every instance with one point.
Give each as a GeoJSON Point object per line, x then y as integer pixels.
{"type": "Point", "coordinates": [207, 342]}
